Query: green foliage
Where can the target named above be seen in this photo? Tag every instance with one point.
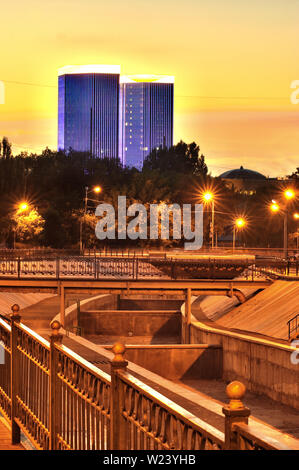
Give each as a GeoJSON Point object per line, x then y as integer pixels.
{"type": "Point", "coordinates": [28, 225]}
{"type": "Point", "coordinates": [5, 148]}
{"type": "Point", "coordinates": [53, 183]}
{"type": "Point", "coordinates": [181, 158]}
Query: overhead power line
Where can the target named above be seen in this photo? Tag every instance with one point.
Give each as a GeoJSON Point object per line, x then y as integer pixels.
{"type": "Point", "coordinates": [204, 97]}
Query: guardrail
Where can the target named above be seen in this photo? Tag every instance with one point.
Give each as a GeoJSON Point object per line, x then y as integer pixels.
{"type": "Point", "coordinates": [134, 268]}
{"type": "Point", "coordinates": [293, 325]}
{"type": "Point", "coordinates": [114, 251]}
{"type": "Point", "coordinates": [60, 401]}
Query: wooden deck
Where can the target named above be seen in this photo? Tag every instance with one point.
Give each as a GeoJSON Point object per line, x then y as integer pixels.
{"type": "Point", "coordinates": [5, 438]}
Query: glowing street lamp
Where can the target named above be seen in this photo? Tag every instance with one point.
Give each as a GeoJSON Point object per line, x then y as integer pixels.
{"type": "Point", "coordinates": [23, 206]}
{"type": "Point", "coordinates": [239, 224]}
{"type": "Point", "coordinates": [96, 189]}
{"type": "Point", "coordinates": [274, 207]}
{"type": "Point", "coordinates": [296, 217]}
{"type": "Point", "coordinates": [208, 198]}
{"type": "Point", "coordinates": [289, 194]}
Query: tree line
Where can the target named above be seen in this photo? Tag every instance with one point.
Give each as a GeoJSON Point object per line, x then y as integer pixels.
{"type": "Point", "coordinates": [53, 184]}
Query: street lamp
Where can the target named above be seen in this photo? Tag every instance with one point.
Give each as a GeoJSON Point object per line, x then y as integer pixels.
{"type": "Point", "coordinates": [96, 190]}
{"type": "Point", "coordinates": [208, 198]}
{"type": "Point", "coordinates": [22, 207]}
{"type": "Point", "coordinates": [274, 207]}
{"type": "Point", "coordinates": [288, 194]}
{"type": "Point", "coordinates": [239, 224]}
{"type": "Point", "coordinates": [296, 217]}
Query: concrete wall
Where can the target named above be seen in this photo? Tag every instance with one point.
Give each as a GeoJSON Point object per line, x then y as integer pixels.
{"type": "Point", "coordinates": [176, 362]}
{"type": "Point", "coordinates": [104, 302]}
{"type": "Point", "coordinates": [148, 303]}
{"type": "Point", "coordinates": [263, 366]}
{"type": "Point", "coordinates": [130, 323]}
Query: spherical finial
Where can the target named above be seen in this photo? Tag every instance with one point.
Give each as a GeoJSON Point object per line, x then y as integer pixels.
{"type": "Point", "coordinates": [118, 350]}
{"type": "Point", "coordinates": [55, 325]}
{"type": "Point", "coordinates": [15, 315]}
{"type": "Point", "coordinates": [15, 308]}
{"type": "Point", "coordinates": [235, 391]}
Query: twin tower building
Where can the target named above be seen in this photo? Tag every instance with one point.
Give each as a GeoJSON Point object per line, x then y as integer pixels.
{"type": "Point", "coordinates": [109, 115]}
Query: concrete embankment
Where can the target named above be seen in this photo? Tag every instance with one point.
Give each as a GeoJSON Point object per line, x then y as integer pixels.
{"type": "Point", "coordinates": [263, 362]}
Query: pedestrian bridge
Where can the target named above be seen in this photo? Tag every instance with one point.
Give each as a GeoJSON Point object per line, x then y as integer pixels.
{"type": "Point", "coordinates": [140, 268]}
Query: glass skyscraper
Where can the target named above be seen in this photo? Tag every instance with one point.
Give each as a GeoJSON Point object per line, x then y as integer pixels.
{"type": "Point", "coordinates": [146, 116]}
{"type": "Point", "coordinates": [88, 109]}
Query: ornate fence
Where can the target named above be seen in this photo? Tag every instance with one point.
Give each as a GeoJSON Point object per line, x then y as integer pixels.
{"type": "Point", "coordinates": [60, 401]}
{"type": "Point", "coordinates": [133, 268]}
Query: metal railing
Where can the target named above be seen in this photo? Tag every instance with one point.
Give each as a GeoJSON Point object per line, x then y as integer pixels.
{"type": "Point", "coordinates": [249, 438]}
{"type": "Point", "coordinates": [61, 401]}
{"type": "Point", "coordinates": [132, 268]}
{"type": "Point", "coordinates": [152, 423]}
{"type": "Point", "coordinates": [293, 325]}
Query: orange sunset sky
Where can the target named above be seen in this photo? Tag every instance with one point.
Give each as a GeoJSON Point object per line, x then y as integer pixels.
{"type": "Point", "coordinates": [233, 62]}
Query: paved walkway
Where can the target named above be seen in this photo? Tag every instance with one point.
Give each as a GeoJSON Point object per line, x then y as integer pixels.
{"type": "Point", "coordinates": [203, 398]}
{"type": "Point", "coordinates": [280, 416]}
{"type": "Point", "coordinates": [5, 438]}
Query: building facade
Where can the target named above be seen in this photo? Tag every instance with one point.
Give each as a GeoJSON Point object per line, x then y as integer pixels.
{"type": "Point", "coordinates": [146, 116]}
{"type": "Point", "coordinates": [88, 109]}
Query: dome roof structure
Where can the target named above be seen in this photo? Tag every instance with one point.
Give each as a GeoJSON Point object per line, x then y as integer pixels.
{"type": "Point", "coordinates": [242, 173]}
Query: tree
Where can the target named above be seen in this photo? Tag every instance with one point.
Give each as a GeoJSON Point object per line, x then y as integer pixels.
{"type": "Point", "coordinates": [180, 158]}
{"type": "Point", "coordinates": [295, 174]}
{"type": "Point", "coordinates": [54, 233]}
{"type": "Point", "coordinates": [5, 147]}
{"type": "Point", "coordinates": [28, 224]}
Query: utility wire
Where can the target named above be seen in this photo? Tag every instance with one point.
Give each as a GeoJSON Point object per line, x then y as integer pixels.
{"type": "Point", "coordinates": [176, 96]}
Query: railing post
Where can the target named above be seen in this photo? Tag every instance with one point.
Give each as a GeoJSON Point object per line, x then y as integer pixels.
{"type": "Point", "coordinates": [234, 412]}
{"type": "Point", "coordinates": [187, 317]}
{"type": "Point", "coordinates": [95, 266]}
{"type": "Point", "coordinates": [14, 373]}
{"type": "Point", "coordinates": [19, 267]}
{"type": "Point", "coordinates": [62, 305]}
{"type": "Point", "coordinates": [137, 268]}
{"type": "Point", "coordinates": [118, 438]}
{"type": "Point", "coordinates": [54, 396]}
{"type": "Point", "coordinates": [57, 267]}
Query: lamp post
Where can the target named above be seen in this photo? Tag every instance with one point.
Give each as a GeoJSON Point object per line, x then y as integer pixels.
{"type": "Point", "coordinates": [289, 194]}
{"type": "Point", "coordinates": [296, 217]}
{"type": "Point", "coordinates": [208, 198]}
{"type": "Point", "coordinates": [22, 207]}
{"type": "Point", "coordinates": [238, 224]}
{"type": "Point", "coordinates": [97, 190]}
